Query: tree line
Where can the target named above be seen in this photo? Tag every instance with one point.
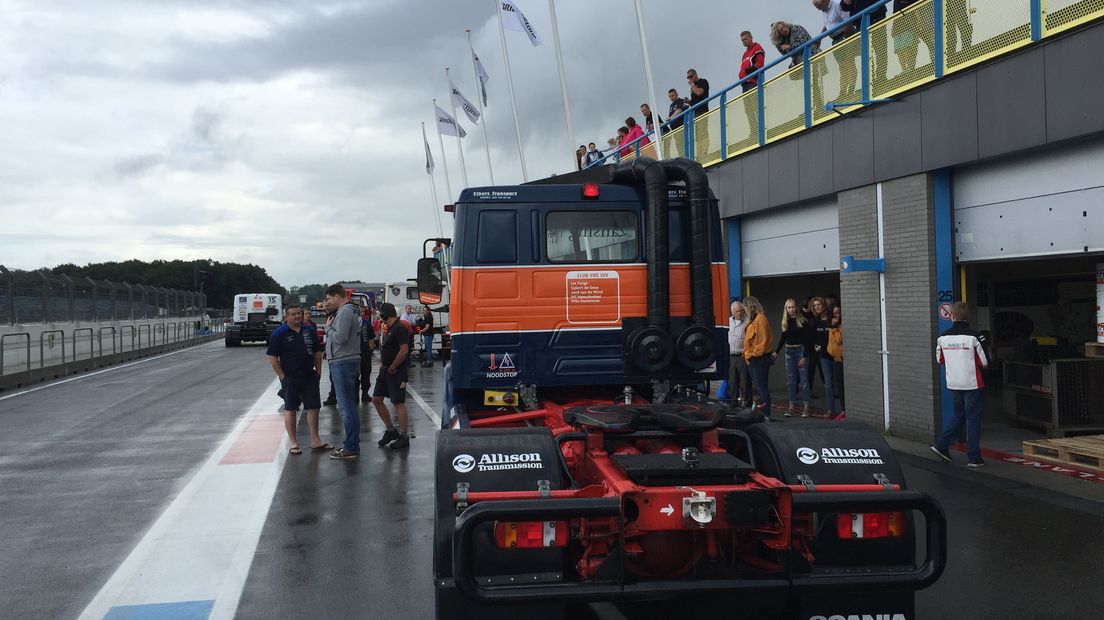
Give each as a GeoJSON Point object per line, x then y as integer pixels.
{"type": "Point", "coordinates": [221, 281]}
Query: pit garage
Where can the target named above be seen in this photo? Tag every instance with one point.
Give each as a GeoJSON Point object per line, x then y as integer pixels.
{"type": "Point", "coordinates": [1029, 242]}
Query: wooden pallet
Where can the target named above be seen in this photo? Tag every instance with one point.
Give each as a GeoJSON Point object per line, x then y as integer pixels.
{"type": "Point", "coordinates": [1085, 451]}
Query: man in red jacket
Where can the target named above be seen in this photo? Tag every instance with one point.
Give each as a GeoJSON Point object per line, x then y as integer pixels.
{"type": "Point", "coordinates": [753, 60]}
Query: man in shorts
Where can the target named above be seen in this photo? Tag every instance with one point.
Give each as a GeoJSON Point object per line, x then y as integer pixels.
{"type": "Point", "coordinates": [296, 358]}
{"type": "Point", "coordinates": [391, 382]}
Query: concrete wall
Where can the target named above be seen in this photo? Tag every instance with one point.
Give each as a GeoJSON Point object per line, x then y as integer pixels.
{"type": "Point", "coordinates": [85, 340]}
{"type": "Point", "coordinates": [909, 230]}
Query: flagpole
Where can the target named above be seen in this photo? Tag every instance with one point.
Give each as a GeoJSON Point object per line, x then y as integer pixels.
{"type": "Point", "coordinates": [444, 160]}
{"type": "Point", "coordinates": [651, 85]}
{"type": "Point", "coordinates": [563, 83]}
{"type": "Point", "coordinates": [479, 100]}
{"type": "Point", "coordinates": [459, 146]}
{"type": "Point", "coordinates": [510, 86]}
{"type": "Point", "coordinates": [433, 189]}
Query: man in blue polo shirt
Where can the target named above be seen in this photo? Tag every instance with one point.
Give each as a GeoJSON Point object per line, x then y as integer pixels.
{"type": "Point", "coordinates": [296, 358]}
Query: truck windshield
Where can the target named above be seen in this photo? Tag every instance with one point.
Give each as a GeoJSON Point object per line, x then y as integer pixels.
{"type": "Point", "coordinates": [591, 236]}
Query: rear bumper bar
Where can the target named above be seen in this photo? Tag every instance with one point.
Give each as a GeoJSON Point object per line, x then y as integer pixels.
{"type": "Point", "coordinates": [906, 578]}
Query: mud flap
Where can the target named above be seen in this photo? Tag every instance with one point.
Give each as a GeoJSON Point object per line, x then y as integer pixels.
{"type": "Point", "coordinates": [492, 460]}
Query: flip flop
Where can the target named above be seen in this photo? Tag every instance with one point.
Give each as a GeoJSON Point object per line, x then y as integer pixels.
{"type": "Point", "coordinates": [321, 448]}
{"type": "Point", "coordinates": [295, 450]}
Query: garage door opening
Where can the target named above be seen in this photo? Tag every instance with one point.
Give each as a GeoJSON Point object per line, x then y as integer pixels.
{"type": "Point", "coordinates": [1040, 316]}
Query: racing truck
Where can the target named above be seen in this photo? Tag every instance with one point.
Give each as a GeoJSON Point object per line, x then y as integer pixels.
{"type": "Point", "coordinates": [256, 316]}
{"type": "Point", "coordinates": [581, 459]}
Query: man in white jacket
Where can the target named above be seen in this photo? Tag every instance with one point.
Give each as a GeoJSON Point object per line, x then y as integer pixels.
{"type": "Point", "coordinates": [962, 353]}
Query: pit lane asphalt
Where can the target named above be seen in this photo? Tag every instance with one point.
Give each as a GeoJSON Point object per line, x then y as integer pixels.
{"type": "Point", "coordinates": [87, 466]}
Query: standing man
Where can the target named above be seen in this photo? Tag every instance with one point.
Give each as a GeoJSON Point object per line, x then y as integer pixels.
{"type": "Point", "coordinates": [674, 116]}
{"type": "Point", "coordinates": [296, 358]}
{"type": "Point", "coordinates": [961, 351]}
{"type": "Point", "coordinates": [753, 60]}
{"type": "Point", "coordinates": [367, 344]}
{"type": "Point", "coordinates": [649, 122]}
{"type": "Point", "coordinates": [427, 337]}
{"type": "Point", "coordinates": [407, 315]}
{"type": "Point", "coordinates": [739, 381]}
{"type": "Point", "coordinates": [391, 382]}
{"type": "Point", "coordinates": [343, 353]}
{"type": "Point", "coordinates": [699, 92]}
{"type": "Point", "coordinates": [593, 155]}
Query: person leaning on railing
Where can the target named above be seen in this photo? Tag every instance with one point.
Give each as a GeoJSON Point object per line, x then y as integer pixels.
{"type": "Point", "coordinates": [879, 40]}
{"type": "Point", "coordinates": [836, 24]}
{"type": "Point", "coordinates": [787, 37]}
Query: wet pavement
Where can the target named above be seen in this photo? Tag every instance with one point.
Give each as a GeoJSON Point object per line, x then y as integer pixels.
{"type": "Point", "coordinates": [87, 466]}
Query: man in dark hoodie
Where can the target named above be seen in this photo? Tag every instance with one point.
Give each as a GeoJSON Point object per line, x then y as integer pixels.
{"type": "Point", "coordinates": [343, 354]}
{"type": "Point", "coordinates": [391, 382]}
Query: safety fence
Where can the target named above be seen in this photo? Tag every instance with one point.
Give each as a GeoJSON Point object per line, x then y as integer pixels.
{"type": "Point", "coordinates": [883, 58]}
{"type": "Point", "coordinates": [42, 297]}
{"type": "Point", "coordinates": [33, 350]}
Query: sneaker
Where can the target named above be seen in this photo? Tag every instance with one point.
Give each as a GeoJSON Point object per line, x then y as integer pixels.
{"type": "Point", "coordinates": [805, 411]}
{"type": "Point", "coordinates": [329, 402]}
{"type": "Point", "coordinates": [840, 416]}
{"type": "Point", "coordinates": [388, 436]}
{"type": "Point", "coordinates": [976, 464]}
{"type": "Point", "coordinates": [343, 454]}
{"type": "Point", "coordinates": [402, 442]}
{"type": "Point", "coordinates": [943, 454]}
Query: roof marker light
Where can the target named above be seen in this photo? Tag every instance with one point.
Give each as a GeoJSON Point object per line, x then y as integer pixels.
{"type": "Point", "coordinates": [590, 190]}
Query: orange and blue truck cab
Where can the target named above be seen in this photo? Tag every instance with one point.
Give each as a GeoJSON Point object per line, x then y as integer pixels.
{"type": "Point", "coordinates": [550, 282]}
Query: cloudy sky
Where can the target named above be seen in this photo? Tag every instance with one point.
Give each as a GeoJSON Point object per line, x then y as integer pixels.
{"type": "Point", "coordinates": [286, 133]}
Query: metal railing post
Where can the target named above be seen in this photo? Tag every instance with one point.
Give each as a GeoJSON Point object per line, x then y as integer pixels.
{"type": "Point", "coordinates": [865, 56]}
{"type": "Point", "coordinates": [11, 293]}
{"type": "Point", "coordinates": [45, 297]}
{"type": "Point", "coordinates": [130, 301]}
{"type": "Point", "coordinates": [760, 94]}
{"type": "Point", "coordinates": [1037, 16]}
{"type": "Point", "coordinates": [691, 138]}
{"type": "Point", "coordinates": [724, 126]}
{"type": "Point", "coordinates": [806, 66]}
{"type": "Point", "coordinates": [939, 54]}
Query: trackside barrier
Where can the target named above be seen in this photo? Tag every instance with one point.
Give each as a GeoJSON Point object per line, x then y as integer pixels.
{"type": "Point", "coordinates": [148, 333]}
{"type": "Point", "coordinates": [91, 350]}
{"type": "Point", "coordinates": [123, 338]}
{"type": "Point", "coordinates": [925, 42]}
{"type": "Point", "coordinates": [44, 338]}
{"type": "Point", "coordinates": [100, 336]}
{"type": "Point", "coordinates": [4, 347]}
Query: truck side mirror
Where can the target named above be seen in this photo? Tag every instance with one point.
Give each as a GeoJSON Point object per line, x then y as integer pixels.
{"type": "Point", "coordinates": [429, 281]}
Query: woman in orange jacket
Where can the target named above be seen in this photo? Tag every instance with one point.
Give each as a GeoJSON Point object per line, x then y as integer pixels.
{"type": "Point", "coordinates": [758, 339]}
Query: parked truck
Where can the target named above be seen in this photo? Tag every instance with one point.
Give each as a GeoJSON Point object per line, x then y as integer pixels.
{"type": "Point", "coordinates": [580, 459]}
{"type": "Point", "coordinates": [256, 316]}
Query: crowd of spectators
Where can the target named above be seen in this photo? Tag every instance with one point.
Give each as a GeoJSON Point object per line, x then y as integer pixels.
{"type": "Point", "coordinates": [907, 33]}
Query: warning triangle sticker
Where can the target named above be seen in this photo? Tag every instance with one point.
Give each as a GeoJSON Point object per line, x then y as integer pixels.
{"type": "Point", "coordinates": [507, 362]}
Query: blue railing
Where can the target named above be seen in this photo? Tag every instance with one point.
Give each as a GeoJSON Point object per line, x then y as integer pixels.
{"type": "Point", "coordinates": [957, 34]}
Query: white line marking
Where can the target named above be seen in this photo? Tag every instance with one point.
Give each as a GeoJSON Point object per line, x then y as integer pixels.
{"type": "Point", "coordinates": [221, 508]}
{"type": "Point", "coordinates": [100, 372]}
{"type": "Point", "coordinates": [426, 409]}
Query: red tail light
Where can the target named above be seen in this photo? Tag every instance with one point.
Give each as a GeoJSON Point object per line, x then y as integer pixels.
{"type": "Point", "coordinates": [870, 525]}
{"type": "Point", "coordinates": [590, 190]}
{"type": "Point", "coordinates": [530, 534]}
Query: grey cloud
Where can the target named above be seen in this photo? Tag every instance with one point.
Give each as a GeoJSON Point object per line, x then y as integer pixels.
{"type": "Point", "coordinates": [137, 165]}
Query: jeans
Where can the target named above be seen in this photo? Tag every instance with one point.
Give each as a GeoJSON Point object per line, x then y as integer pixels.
{"type": "Point", "coordinates": [427, 344]}
{"type": "Point", "coordinates": [344, 374]}
{"type": "Point", "coordinates": [968, 407]}
{"type": "Point", "coordinates": [759, 368]}
{"type": "Point", "coordinates": [828, 371]}
{"type": "Point", "coordinates": [739, 380]}
{"type": "Point", "coordinates": [796, 377]}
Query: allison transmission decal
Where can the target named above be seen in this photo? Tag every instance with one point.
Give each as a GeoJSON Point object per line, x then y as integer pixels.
{"type": "Point", "coordinates": [840, 456]}
{"type": "Point", "coordinates": [497, 461]}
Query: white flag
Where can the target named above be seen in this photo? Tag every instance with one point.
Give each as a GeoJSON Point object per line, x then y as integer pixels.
{"type": "Point", "coordinates": [459, 99]}
{"type": "Point", "coordinates": [429, 155]}
{"type": "Point", "coordinates": [448, 125]}
{"type": "Point", "coordinates": [514, 19]}
{"type": "Point", "coordinates": [483, 77]}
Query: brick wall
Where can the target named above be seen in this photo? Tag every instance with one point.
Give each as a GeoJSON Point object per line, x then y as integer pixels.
{"type": "Point", "coordinates": [910, 291]}
{"type": "Point", "coordinates": [859, 297]}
